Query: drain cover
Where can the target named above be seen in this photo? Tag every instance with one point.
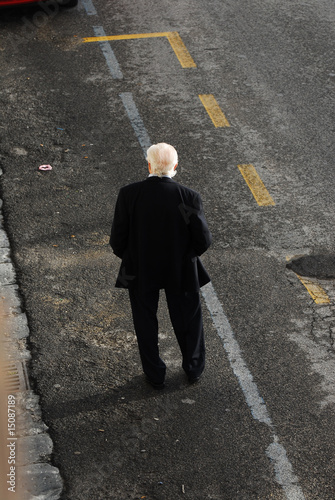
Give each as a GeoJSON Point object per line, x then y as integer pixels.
{"type": "Point", "coordinates": [15, 376]}
{"type": "Point", "coordinates": [314, 266]}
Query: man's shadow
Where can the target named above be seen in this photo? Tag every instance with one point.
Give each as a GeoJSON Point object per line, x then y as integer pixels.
{"type": "Point", "coordinates": [136, 389]}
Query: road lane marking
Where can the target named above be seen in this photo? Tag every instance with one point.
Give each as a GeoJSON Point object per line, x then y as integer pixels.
{"type": "Point", "coordinates": [180, 50]}
{"type": "Point", "coordinates": [275, 451]}
{"type": "Point", "coordinates": [241, 371]}
{"type": "Point", "coordinates": [136, 121]}
{"type": "Point", "coordinates": [214, 110]}
{"type": "Point", "coordinates": [174, 38]}
{"type": "Point", "coordinates": [251, 177]}
{"type": "Point", "coordinates": [107, 51]}
{"type": "Point", "coordinates": [315, 290]}
{"type": "Point", "coordinates": [135, 36]}
{"type": "Point", "coordinates": [89, 7]}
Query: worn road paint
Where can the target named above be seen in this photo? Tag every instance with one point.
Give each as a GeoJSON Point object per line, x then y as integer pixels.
{"type": "Point", "coordinates": [89, 7]}
{"type": "Point", "coordinates": [315, 290]}
{"type": "Point", "coordinates": [136, 121]}
{"type": "Point", "coordinates": [183, 55]}
{"type": "Point", "coordinates": [107, 51]}
{"type": "Point", "coordinates": [135, 36]}
{"type": "Point", "coordinates": [174, 38]}
{"type": "Point", "coordinates": [251, 177]}
{"type": "Point", "coordinates": [276, 452]}
{"type": "Point", "coordinates": [284, 471]}
{"type": "Point", "coordinates": [213, 109]}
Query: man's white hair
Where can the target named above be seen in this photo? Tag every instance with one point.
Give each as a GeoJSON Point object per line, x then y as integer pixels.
{"type": "Point", "coordinates": [162, 158]}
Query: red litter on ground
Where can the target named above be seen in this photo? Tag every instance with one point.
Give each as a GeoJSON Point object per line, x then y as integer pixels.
{"type": "Point", "coordinates": [45, 168]}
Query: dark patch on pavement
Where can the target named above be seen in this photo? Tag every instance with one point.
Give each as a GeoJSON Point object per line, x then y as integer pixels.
{"type": "Point", "coordinates": [314, 266]}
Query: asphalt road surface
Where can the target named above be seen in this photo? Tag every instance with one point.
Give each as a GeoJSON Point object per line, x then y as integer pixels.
{"type": "Point", "coordinates": [245, 92]}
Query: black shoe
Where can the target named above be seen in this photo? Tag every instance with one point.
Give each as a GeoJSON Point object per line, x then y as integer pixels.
{"type": "Point", "coordinates": [193, 380]}
{"type": "Point", "coordinates": [156, 386]}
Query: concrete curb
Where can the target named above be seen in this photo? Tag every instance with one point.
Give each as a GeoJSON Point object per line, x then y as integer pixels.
{"type": "Point", "coordinates": [37, 479]}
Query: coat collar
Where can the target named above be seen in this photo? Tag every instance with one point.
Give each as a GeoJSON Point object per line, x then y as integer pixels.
{"type": "Point", "coordinates": [155, 178]}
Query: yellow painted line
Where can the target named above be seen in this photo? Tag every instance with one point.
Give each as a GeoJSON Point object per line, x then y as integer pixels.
{"type": "Point", "coordinates": [124, 37]}
{"type": "Point", "coordinates": [256, 185]}
{"type": "Point", "coordinates": [315, 290]}
{"type": "Point", "coordinates": [174, 38]}
{"type": "Point", "coordinates": [180, 50]}
{"type": "Point", "coordinates": [213, 109]}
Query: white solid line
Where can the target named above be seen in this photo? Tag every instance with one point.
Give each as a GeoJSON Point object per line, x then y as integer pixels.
{"type": "Point", "coordinates": [275, 451]}
{"type": "Point", "coordinates": [226, 334]}
{"type": "Point", "coordinates": [136, 121]}
{"type": "Point", "coordinates": [284, 470]}
{"type": "Point", "coordinates": [107, 51]}
{"type": "Point", "coordinates": [89, 7]}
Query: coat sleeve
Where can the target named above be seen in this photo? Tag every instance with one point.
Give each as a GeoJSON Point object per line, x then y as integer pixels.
{"type": "Point", "coordinates": [201, 237]}
{"type": "Point", "coordinates": [120, 227]}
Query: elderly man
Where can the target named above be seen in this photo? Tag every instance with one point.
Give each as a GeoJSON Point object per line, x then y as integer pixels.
{"type": "Point", "coordinates": [159, 231]}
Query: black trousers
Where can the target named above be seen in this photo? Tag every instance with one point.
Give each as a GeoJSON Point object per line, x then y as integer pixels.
{"type": "Point", "coordinates": [186, 318]}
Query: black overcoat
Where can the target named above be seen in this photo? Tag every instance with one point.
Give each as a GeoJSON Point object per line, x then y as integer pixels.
{"type": "Point", "coordinates": [159, 231]}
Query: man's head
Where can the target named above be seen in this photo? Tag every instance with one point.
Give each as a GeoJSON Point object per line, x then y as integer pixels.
{"type": "Point", "coordinates": [162, 159]}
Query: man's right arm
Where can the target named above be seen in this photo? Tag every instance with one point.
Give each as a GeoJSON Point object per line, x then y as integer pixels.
{"type": "Point", "coordinates": [120, 227]}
